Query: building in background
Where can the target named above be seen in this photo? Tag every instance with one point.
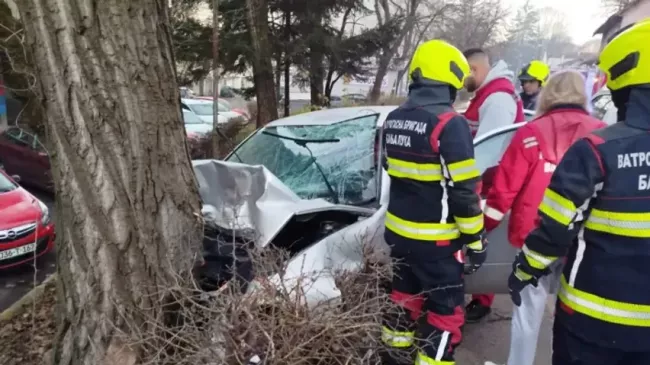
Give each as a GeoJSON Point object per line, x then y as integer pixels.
{"type": "Point", "coordinates": [632, 13]}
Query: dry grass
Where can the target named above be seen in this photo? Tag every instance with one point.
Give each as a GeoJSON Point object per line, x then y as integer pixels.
{"type": "Point", "coordinates": [27, 338]}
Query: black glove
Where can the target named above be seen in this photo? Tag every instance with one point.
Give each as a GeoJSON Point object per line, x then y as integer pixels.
{"type": "Point", "coordinates": [476, 254]}
{"type": "Point", "coordinates": [522, 275]}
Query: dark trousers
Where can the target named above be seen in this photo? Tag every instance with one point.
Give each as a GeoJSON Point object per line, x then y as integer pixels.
{"type": "Point", "coordinates": [429, 314]}
{"type": "Point", "coordinates": [568, 349]}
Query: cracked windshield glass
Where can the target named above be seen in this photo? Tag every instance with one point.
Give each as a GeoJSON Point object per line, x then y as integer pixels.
{"type": "Point", "coordinates": [348, 165]}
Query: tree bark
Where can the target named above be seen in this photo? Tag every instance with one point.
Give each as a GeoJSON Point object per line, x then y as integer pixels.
{"type": "Point", "coordinates": [287, 62]}
{"type": "Point", "coordinates": [257, 16]}
{"type": "Point", "coordinates": [215, 135]}
{"type": "Point", "coordinates": [126, 195]}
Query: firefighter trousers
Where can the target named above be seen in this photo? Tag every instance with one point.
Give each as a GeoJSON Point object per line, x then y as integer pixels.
{"type": "Point", "coordinates": [425, 324]}
{"type": "Point", "coordinates": [569, 349]}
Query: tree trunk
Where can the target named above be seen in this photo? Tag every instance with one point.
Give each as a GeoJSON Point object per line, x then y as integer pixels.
{"type": "Point", "coordinates": [287, 63]}
{"type": "Point", "coordinates": [316, 75]}
{"type": "Point", "coordinates": [382, 70]}
{"type": "Point", "coordinates": [215, 135]}
{"type": "Point", "coordinates": [126, 195]}
{"type": "Point", "coordinates": [257, 16]}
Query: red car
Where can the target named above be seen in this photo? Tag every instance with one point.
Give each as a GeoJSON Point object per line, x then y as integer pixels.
{"type": "Point", "coordinates": [26, 227]}
{"type": "Point", "coordinates": [22, 154]}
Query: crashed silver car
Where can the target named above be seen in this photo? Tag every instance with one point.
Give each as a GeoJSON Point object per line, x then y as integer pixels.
{"type": "Point", "coordinates": [314, 185]}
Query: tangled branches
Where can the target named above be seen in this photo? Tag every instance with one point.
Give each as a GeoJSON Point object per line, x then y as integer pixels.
{"type": "Point", "coordinates": [267, 322]}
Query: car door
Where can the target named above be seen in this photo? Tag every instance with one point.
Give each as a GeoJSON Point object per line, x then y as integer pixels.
{"type": "Point", "coordinates": [493, 276]}
{"type": "Point", "coordinates": [14, 153]}
{"type": "Point", "coordinates": [41, 164]}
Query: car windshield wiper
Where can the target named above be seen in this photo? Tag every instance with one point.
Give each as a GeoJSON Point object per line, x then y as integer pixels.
{"type": "Point", "coordinates": [303, 143]}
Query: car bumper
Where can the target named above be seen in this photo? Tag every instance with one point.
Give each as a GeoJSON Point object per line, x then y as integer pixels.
{"type": "Point", "coordinates": [43, 239]}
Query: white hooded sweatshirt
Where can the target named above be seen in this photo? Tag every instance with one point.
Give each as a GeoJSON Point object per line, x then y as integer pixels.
{"type": "Point", "coordinates": [500, 108]}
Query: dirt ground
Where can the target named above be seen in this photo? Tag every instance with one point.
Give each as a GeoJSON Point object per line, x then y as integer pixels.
{"type": "Point", "coordinates": [27, 339]}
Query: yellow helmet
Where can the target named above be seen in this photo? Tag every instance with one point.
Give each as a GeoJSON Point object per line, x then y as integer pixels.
{"type": "Point", "coordinates": [626, 58]}
{"type": "Point", "coordinates": [439, 61]}
{"type": "Point", "coordinates": [535, 70]}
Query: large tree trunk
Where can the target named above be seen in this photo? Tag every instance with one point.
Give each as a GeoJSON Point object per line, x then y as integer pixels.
{"type": "Point", "coordinates": [257, 15]}
{"type": "Point", "coordinates": [126, 196]}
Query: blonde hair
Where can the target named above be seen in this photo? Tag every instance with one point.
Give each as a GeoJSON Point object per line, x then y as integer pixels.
{"type": "Point", "coordinates": [565, 87]}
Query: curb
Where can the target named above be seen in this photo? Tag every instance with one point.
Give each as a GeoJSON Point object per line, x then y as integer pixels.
{"type": "Point", "coordinates": [18, 307]}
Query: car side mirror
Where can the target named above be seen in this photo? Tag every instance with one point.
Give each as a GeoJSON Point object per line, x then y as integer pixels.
{"type": "Point", "coordinates": [15, 178]}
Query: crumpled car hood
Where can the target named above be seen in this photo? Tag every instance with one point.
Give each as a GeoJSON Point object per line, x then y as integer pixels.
{"type": "Point", "coordinates": [250, 198]}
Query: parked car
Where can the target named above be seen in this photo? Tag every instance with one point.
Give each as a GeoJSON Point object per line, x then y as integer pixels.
{"type": "Point", "coordinates": [26, 227]}
{"type": "Point", "coordinates": [203, 109]}
{"type": "Point", "coordinates": [603, 106]}
{"type": "Point", "coordinates": [322, 208]}
{"type": "Point", "coordinates": [194, 126]}
{"type": "Point", "coordinates": [21, 153]}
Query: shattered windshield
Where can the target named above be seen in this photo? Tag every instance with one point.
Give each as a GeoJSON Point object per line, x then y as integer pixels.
{"type": "Point", "coordinates": [348, 163]}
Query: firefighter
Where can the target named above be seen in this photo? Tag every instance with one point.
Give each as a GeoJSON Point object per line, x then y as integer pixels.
{"type": "Point", "coordinates": [434, 211]}
{"type": "Point", "coordinates": [596, 212]}
{"type": "Point", "coordinates": [533, 77]}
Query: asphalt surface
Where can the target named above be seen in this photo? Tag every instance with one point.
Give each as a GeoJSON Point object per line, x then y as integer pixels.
{"type": "Point", "coordinates": [487, 340]}
{"type": "Point", "coordinates": [16, 282]}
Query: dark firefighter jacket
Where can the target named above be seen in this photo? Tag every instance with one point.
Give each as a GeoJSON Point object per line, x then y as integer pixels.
{"type": "Point", "coordinates": [433, 208]}
{"type": "Point", "coordinates": [529, 101]}
{"type": "Point", "coordinates": [597, 207]}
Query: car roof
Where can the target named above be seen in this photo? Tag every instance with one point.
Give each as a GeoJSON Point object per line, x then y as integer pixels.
{"type": "Point", "coordinates": [335, 115]}
{"type": "Point", "coordinates": [195, 101]}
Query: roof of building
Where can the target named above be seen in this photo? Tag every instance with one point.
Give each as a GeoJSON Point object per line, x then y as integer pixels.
{"type": "Point", "coordinates": [616, 18]}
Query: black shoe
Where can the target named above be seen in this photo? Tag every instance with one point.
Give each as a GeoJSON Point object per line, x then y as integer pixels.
{"type": "Point", "coordinates": [475, 312]}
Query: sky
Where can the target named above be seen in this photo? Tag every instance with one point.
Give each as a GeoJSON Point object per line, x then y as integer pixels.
{"type": "Point", "coordinates": [583, 16]}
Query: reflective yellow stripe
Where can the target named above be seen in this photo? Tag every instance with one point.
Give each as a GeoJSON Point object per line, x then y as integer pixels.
{"type": "Point", "coordinates": [622, 224]}
{"type": "Point", "coordinates": [627, 314]}
{"type": "Point", "coordinates": [398, 339]}
{"type": "Point", "coordinates": [476, 245]}
{"type": "Point", "coordinates": [522, 275]}
{"type": "Point", "coordinates": [537, 260]}
{"type": "Point", "coordinates": [423, 359]}
{"type": "Point", "coordinates": [421, 231]}
{"type": "Point", "coordinates": [414, 171]}
{"type": "Point", "coordinates": [471, 225]}
{"type": "Point", "coordinates": [559, 208]}
{"type": "Point", "coordinates": [463, 170]}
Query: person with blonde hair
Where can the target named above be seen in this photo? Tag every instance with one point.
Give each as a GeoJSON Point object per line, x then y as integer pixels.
{"type": "Point", "coordinates": [519, 184]}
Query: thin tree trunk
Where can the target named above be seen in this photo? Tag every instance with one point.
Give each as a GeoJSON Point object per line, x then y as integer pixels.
{"type": "Point", "coordinates": [257, 16]}
{"type": "Point", "coordinates": [215, 80]}
{"type": "Point", "coordinates": [126, 195]}
{"type": "Point", "coordinates": [382, 70]}
{"type": "Point", "coordinates": [288, 49]}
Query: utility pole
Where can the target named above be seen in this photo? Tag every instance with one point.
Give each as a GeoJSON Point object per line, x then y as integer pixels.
{"type": "Point", "coordinates": [215, 135]}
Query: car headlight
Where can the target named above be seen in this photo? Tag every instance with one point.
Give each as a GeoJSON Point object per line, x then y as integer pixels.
{"type": "Point", "coordinates": [45, 217]}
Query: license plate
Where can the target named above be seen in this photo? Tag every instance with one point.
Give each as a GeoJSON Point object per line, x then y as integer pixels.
{"type": "Point", "coordinates": [18, 251]}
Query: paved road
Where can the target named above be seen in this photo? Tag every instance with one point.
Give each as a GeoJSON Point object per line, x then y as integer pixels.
{"type": "Point", "coordinates": [490, 339]}
{"type": "Point", "coordinates": [14, 283]}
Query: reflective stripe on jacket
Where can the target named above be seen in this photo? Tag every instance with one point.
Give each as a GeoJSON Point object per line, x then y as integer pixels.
{"type": "Point", "coordinates": [527, 165]}
{"type": "Point", "coordinates": [597, 207]}
{"type": "Point", "coordinates": [433, 207]}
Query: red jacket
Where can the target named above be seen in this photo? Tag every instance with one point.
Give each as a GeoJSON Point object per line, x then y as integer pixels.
{"type": "Point", "coordinates": [500, 84]}
{"type": "Point", "coordinates": [527, 165]}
